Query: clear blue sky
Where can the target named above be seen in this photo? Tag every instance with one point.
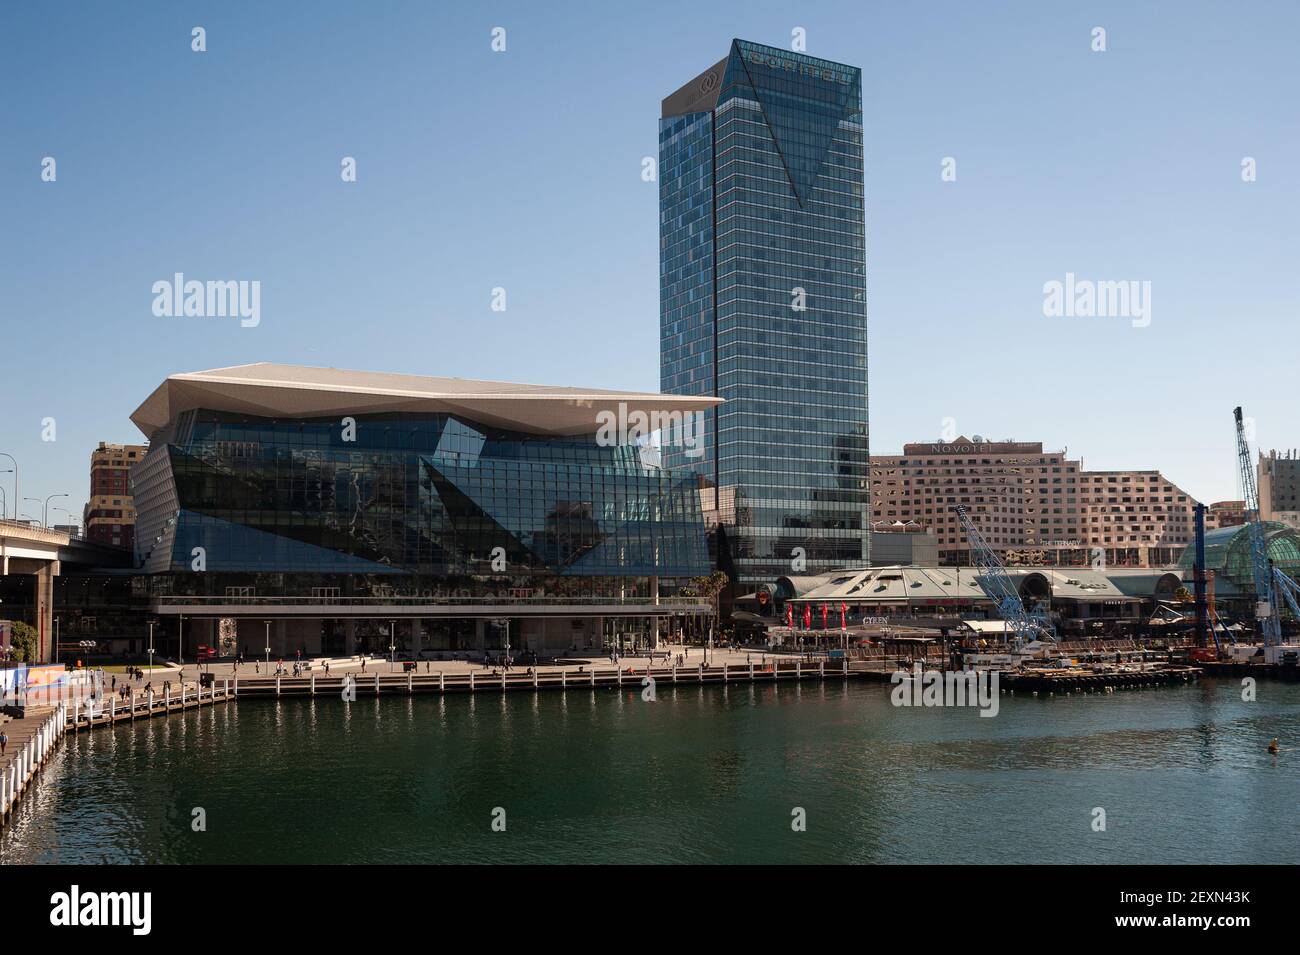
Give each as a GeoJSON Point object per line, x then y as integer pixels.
{"type": "Point", "coordinates": [522, 170]}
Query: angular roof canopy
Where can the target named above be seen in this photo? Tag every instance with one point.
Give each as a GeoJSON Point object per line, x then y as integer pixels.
{"type": "Point", "coordinates": [897, 583]}
{"type": "Point", "coordinates": [297, 391]}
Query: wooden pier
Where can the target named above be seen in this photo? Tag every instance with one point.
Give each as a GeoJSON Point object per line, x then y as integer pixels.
{"type": "Point", "coordinates": [141, 704]}
{"type": "Point", "coordinates": [85, 714]}
{"type": "Point", "coordinates": [375, 683]}
{"type": "Point", "coordinates": [1076, 681]}
{"type": "Point", "coordinates": [1232, 668]}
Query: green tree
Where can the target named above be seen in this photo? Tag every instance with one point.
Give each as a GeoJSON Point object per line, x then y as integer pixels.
{"type": "Point", "coordinates": [709, 588]}
{"type": "Point", "coordinates": [24, 642]}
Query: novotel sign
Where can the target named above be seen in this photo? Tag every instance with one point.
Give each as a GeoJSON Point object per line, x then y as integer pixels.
{"type": "Point", "coordinates": [958, 448]}
{"type": "Point", "coordinates": [804, 69]}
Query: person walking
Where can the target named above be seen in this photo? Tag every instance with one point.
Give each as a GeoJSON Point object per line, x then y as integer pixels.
{"type": "Point", "coordinates": [4, 741]}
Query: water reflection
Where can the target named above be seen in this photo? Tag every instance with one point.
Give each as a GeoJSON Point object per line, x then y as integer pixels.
{"type": "Point", "coordinates": [706, 773]}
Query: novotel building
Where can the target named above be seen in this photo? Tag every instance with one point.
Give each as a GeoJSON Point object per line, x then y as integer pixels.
{"type": "Point", "coordinates": [763, 303]}
{"type": "Point", "coordinates": [329, 511]}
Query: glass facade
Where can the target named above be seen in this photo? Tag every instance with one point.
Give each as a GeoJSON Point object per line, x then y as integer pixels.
{"type": "Point", "coordinates": [1227, 552]}
{"type": "Point", "coordinates": [429, 496]}
{"type": "Point", "coordinates": [763, 303]}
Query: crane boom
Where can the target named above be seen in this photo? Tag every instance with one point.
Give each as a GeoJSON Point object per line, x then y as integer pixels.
{"type": "Point", "coordinates": [996, 582]}
{"type": "Point", "coordinates": [1289, 590]}
{"type": "Point", "coordinates": [1265, 598]}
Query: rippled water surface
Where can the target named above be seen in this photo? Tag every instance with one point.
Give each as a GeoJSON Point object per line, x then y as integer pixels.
{"type": "Point", "coordinates": [706, 774]}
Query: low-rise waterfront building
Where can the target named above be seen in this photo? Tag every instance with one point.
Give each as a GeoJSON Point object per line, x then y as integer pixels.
{"type": "Point", "coordinates": [1083, 602]}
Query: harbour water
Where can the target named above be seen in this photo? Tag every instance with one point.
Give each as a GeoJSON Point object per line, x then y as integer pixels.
{"type": "Point", "coordinates": [701, 774]}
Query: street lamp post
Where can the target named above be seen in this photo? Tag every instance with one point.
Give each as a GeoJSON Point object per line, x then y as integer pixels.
{"type": "Point", "coordinates": [151, 648]}
{"type": "Point", "coordinates": [268, 646]}
{"type": "Point", "coordinates": [72, 518]}
{"type": "Point", "coordinates": [6, 454]}
{"type": "Point", "coordinates": [392, 647]}
{"type": "Point", "coordinates": [35, 500]}
{"type": "Point", "coordinates": [46, 512]}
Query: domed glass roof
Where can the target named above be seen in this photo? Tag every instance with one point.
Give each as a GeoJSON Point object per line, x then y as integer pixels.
{"type": "Point", "coordinates": [1227, 552]}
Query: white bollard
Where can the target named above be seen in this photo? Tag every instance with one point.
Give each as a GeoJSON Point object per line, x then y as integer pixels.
{"type": "Point", "coordinates": [277, 687]}
{"type": "Point", "coordinates": [821, 669]}
{"type": "Point", "coordinates": [798, 669]}
{"type": "Point", "coordinates": [442, 682]}
{"type": "Point", "coordinates": [376, 683]}
{"type": "Point", "coordinates": [409, 688]}
{"type": "Point", "coordinates": [471, 681]}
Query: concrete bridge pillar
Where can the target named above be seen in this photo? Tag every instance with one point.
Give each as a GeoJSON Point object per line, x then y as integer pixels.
{"type": "Point", "coordinates": [44, 572]}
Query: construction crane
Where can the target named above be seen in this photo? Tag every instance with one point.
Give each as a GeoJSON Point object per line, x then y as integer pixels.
{"type": "Point", "coordinates": [1265, 599]}
{"type": "Point", "coordinates": [1289, 590]}
{"type": "Point", "coordinates": [996, 582]}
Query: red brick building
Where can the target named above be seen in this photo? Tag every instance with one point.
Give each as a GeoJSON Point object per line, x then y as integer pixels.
{"type": "Point", "coordinates": [109, 516]}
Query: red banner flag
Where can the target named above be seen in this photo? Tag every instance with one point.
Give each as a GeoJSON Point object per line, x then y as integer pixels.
{"type": "Point", "coordinates": [825, 611]}
{"type": "Point", "coordinates": [789, 615]}
{"type": "Point", "coordinates": [807, 616]}
{"type": "Point", "coordinates": [844, 616]}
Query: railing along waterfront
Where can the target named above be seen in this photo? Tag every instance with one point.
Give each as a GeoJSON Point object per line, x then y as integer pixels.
{"type": "Point", "coordinates": [87, 713]}
{"type": "Point", "coordinates": [106, 709]}
{"type": "Point", "coordinates": [376, 684]}
{"type": "Point", "coordinates": [439, 601]}
{"type": "Point", "coordinates": [24, 758]}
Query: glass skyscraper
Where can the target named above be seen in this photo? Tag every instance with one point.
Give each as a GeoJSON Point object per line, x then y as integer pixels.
{"type": "Point", "coordinates": [763, 304]}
